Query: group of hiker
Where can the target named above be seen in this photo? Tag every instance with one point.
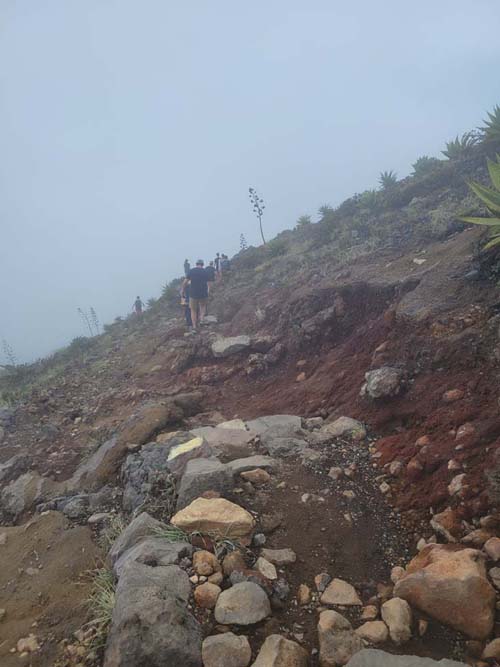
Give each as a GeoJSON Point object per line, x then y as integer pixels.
{"type": "Point", "coordinates": [195, 288]}
{"type": "Point", "coordinates": [197, 285]}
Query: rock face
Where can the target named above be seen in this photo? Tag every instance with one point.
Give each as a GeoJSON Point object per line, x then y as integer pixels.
{"type": "Point", "coordinates": [153, 551]}
{"type": "Point", "coordinates": [214, 515]}
{"type": "Point", "coordinates": [373, 658]}
{"type": "Point", "coordinates": [151, 624]}
{"type": "Point", "coordinates": [450, 584]}
{"type": "Point", "coordinates": [345, 426]}
{"type": "Point", "coordinates": [225, 347]}
{"type": "Point", "coordinates": [340, 592]}
{"type": "Point", "coordinates": [228, 442]}
{"type": "Point", "coordinates": [226, 650]}
{"type": "Point", "coordinates": [277, 651]}
{"type": "Point", "coordinates": [337, 640]}
{"type": "Point", "coordinates": [242, 604]}
{"type": "Point", "coordinates": [203, 475]}
{"type": "Point", "coordinates": [397, 615]}
{"type": "Point", "coordinates": [141, 527]}
{"type": "Point", "coordinates": [382, 382]}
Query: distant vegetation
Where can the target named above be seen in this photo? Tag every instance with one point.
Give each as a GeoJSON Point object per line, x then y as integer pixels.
{"type": "Point", "coordinates": [425, 165]}
{"type": "Point", "coordinates": [491, 128]}
{"type": "Point", "coordinates": [387, 179]}
{"type": "Point", "coordinates": [258, 207]}
{"type": "Point", "coordinates": [461, 147]}
{"type": "Point", "coordinates": [304, 220]}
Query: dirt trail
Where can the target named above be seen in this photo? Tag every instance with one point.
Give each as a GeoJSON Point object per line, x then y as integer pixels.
{"type": "Point", "coordinates": [43, 585]}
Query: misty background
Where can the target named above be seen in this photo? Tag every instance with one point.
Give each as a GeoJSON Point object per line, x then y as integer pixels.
{"type": "Point", "coordinates": [130, 132]}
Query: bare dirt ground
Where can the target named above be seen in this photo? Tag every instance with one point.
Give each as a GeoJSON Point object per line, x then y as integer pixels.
{"type": "Point", "coordinates": [43, 585]}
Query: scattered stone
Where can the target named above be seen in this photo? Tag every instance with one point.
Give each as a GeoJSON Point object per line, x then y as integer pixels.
{"type": "Point", "coordinates": [384, 488]}
{"type": "Point", "coordinates": [226, 650]}
{"type": "Point", "coordinates": [375, 632]}
{"type": "Point", "coordinates": [423, 441]}
{"type": "Point", "coordinates": [349, 494]}
{"type": "Point", "coordinates": [477, 538]}
{"type": "Point", "coordinates": [345, 427]}
{"type": "Point", "coordinates": [279, 557]}
{"type": "Point", "coordinates": [277, 651]}
{"type": "Point", "coordinates": [337, 640]}
{"type": "Point", "coordinates": [396, 573]}
{"type": "Point", "coordinates": [266, 568]}
{"type": "Point", "coordinates": [219, 516]}
{"type": "Point", "coordinates": [225, 347]}
{"type": "Point", "coordinates": [216, 578]}
{"type": "Point", "coordinates": [450, 585]}
{"type": "Point", "coordinates": [369, 613]}
{"type": "Point", "coordinates": [206, 595]}
{"type": "Point", "coordinates": [98, 518]}
{"type": "Point", "coordinates": [303, 595]}
{"type": "Point", "coordinates": [257, 476]}
{"type": "Point", "coordinates": [456, 485]}
{"type": "Point", "coordinates": [321, 581]}
{"type": "Point", "coordinates": [453, 395]}
{"type": "Point", "coordinates": [300, 377]}
{"type": "Point", "coordinates": [283, 424]}
{"type": "Point", "coordinates": [383, 382]}
{"type": "Point", "coordinates": [423, 626]}
{"type": "Point", "coordinates": [269, 522]}
{"type": "Point", "coordinates": [342, 593]}
{"type": "Point", "coordinates": [205, 563]}
{"type": "Point", "coordinates": [495, 576]}
{"type": "Point", "coordinates": [239, 466]}
{"type": "Point", "coordinates": [396, 468]}
{"type": "Point", "coordinates": [414, 468]}
{"type": "Point", "coordinates": [335, 473]}
{"type": "Point", "coordinates": [397, 615]}
{"type": "Point", "coordinates": [202, 475]}
{"type": "Point", "coordinates": [492, 650]}
{"type": "Point", "coordinates": [447, 524]}
{"type": "Point", "coordinates": [376, 658]}
{"type": "Point", "coordinates": [233, 562]}
{"type": "Point", "coordinates": [27, 644]}
{"type": "Point", "coordinates": [492, 548]}
{"type": "Point", "coordinates": [312, 423]}
{"type": "Point", "coordinates": [242, 604]}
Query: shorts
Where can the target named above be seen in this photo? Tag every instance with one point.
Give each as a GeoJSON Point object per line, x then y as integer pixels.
{"type": "Point", "coordinates": [194, 303]}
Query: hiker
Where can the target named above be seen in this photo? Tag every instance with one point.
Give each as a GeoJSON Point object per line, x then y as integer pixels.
{"type": "Point", "coordinates": [138, 306]}
{"type": "Point", "coordinates": [217, 265]}
{"type": "Point", "coordinates": [185, 306]}
{"type": "Point", "coordinates": [225, 264]}
{"type": "Point", "coordinates": [187, 267]}
{"type": "Point", "coordinates": [198, 292]}
{"type": "Point", "coordinates": [210, 271]}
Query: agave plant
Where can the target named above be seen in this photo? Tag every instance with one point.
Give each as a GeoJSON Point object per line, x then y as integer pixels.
{"type": "Point", "coordinates": [370, 200]}
{"type": "Point", "coordinates": [424, 165]}
{"type": "Point", "coordinates": [304, 220]}
{"type": "Point", "coordinates": [460, 146]}
{"type": "Point", "coordinates": [387, 179]}
{"type": "Point", "coordinates": [491, 198]}
{"type": "Point", "coordinates": [491, 129]}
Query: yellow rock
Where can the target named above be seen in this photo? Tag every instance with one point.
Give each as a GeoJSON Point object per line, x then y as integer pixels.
{"type": "Point", "coordinates": [214, 516]}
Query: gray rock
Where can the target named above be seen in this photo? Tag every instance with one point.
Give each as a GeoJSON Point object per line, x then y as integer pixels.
{"type": "Point", "coordinates": [7, 416]}
{"type": "Point", "coordinates": [398, 617]}
{"type": "Point", "coordinates": [313, 422]}
{"type": "Point", "coordinates": [279, 557]}
{"type": "Point", "coordinates": [283, 446]}
{"type": "Point", "coordinates": [337, 640]}
{"type": "Point", "coordinates": [277, 651]}
{"type": "Point", "coordinates": [14, 467]}
{"type": "Point", "coordinates": [226, 650]}
{"type": "Point", "coordinates": [374, 658]}
{"type": "Point", "coordinates": [203, 475]}
{"type": "Point", "coordinates": [151, 624]}
{"type": "Point", "coordinates": [251, 462]}
{"type": "Point", "coordinates": [77, 507]}
{"type": "Point", "coordinates": [382, 382]}
{"type": "Point", "coordinates": [345, 426]}
{"type": "Point", "coordinates": [287, 424]}
{"type": "Point", "coordinates": [21, 494]}
{"type": "Point", "coordinates": [143, 525]}
{"type": "Point", "coordinates": [225, 347]}
{"type": "Point", "coordinates": [153, 551]}
{"type": "Point", "coordinates": [228, 442]}
{"type": "Point", "coordinates": [242, 604]}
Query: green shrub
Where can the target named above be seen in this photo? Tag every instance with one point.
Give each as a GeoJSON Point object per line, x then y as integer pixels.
{"type": "Point", "coordinates": [491, 199]}
{"type": "Point", "coordinates": [425, 165]}
{"type": "Point", "coordinates": [304, 220]}
{"type": "Point", "coordinates": [370, 200]}
{"type": "Point", "coordinates": [277, 247]}
{"type": "Point", "coordinates": [460, 147]}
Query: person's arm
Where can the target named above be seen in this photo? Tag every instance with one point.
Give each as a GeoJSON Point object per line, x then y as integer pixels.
{"type": "Point", "coordinates": [185, 283]}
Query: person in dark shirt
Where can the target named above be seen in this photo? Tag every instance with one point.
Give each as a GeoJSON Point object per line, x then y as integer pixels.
{"type": "Point", "coordinates": [198, 292]}
{"type": "Point", "coordinates": [138, 306]}
{"type": "Point", "coordinates": [185, 306]}
{"type": "Point", "coordinates": [210, 270]}
{"type": "Point", "coordinates": [217, 265]}
{"type": "Point", "coordinates": [187, 267]}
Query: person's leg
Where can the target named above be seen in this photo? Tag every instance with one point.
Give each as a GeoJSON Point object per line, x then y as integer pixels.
{"type": "Point", "coordinates": [203, 309]}
{"type": "Point", "coordinates": [193, 304]}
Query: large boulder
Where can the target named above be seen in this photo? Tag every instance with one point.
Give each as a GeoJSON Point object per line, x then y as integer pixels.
{"type": "Point", "coordinates": [277, 651]}
{"type": "Point", "coordinates": [142, 526]}
{"type": "Point", "coordinates": [154, 551]}
{"type": "Point", "coordinates": [228, 442]}
{"type": "Point", "coordinates": [22, 494]}
{"type": "Point", "coordinates": [242, 604]}
{"type": "Point", "coordinates": [281, 424]}
{"type": "Point", "coordinates": [203, 475]}
{"type": "Point", "coordinates": [151, 624]}
{"type": "Point", "coordinates": [371, 657]}
{"type": "Point", "coordinates": [450, 584]}
{"type": "Point", "coordinates": [140, 428]}
{"type": "Point", "coordinates": [225, 347]}
{"type": "Point", "coordinates": [216, 516]}
{"type": "Point", "coordinates": [382, 382]}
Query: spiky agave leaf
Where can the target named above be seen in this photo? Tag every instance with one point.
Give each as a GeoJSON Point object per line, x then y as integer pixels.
{"type": "Point", "coordinates": [490, 197]}
{"type": "Point", "coordinates": [487, 195]}
{"type": "Point", "coordinates": [491, 128]}
{"type": "Point", "coordinates": [494, 171]}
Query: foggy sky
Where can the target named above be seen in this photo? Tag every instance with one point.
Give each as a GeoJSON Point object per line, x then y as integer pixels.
{"type": "Point", "coordinates": [130, 131]}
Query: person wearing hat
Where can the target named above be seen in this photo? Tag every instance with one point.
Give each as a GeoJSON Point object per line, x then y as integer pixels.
{"type": "Point", "coordinates": [197, 280]}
